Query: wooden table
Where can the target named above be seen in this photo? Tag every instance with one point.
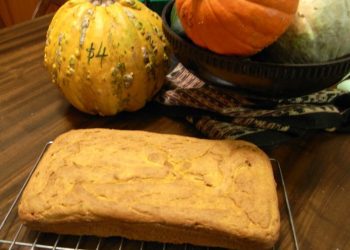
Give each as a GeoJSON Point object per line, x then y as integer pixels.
{"type": "Point", "coordinates": [32, 112]}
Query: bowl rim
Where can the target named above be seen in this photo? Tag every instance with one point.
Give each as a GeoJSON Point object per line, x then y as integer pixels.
{"type": "Point", "coordinates": [236, 59]}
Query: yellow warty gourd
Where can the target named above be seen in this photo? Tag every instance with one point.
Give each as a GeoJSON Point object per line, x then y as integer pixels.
{"type": "Point", "coordinates": [106, 56]}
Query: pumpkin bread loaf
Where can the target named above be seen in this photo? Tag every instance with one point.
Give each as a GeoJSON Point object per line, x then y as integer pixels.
{"type": "Point", "coordinates": [154, 187]}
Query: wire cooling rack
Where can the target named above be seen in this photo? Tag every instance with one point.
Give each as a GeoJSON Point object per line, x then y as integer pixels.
{"type": "Point", "coordinates": [14, 235]}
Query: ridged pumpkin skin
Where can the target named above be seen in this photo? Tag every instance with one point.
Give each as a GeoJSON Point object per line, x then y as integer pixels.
{"type": "Point", "coordinates": [235, 27]}
{"type": "Point", "coordinates": [106, 58]}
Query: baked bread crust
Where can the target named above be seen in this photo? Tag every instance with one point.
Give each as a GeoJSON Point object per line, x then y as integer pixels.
{"type": "Point", "coordinates": [154, 187]}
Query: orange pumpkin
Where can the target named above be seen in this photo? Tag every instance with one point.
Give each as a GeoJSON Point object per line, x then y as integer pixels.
{"type": "Point", "coordinates": [235, 27]}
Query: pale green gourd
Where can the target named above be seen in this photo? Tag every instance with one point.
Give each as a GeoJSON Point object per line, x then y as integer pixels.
{"type": "Point", "coordinates": [319, 33]}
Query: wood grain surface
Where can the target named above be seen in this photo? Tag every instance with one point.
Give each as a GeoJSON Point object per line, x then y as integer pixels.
{"type": "Point", "coordinates": [16, 11]}
{"type": "Point", "coordinates": [32, 112]}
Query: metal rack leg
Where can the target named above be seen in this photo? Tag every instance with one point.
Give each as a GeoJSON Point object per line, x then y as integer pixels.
{"type": "Point", "coordinates": [35, 241]}
{"type": "Point", "coordinates": [78, 243]}
{"type": "Point", "coordinates": [99, 244]}
{"type": "Point", "coordinates": [24, 185]}
{"type": "Point", "coordinates": [16, 236]}
{"type": "Point", "coordinates": [121, 244]}
{"type": "Point", "coordinates": [56, 242]}
{"type": "Point", "coordinates": [289, 209]}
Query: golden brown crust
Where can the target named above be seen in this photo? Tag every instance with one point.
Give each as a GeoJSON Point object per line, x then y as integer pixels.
{"type": "Point", "coordinates": [150, 186]}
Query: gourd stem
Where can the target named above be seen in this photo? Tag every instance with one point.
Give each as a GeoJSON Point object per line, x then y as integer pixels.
{"type": "Point", "coordinates": [102, 2]}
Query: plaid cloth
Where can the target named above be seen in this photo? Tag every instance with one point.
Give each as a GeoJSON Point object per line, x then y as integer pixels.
{"type": "Point", "coordinates": [222, 113]}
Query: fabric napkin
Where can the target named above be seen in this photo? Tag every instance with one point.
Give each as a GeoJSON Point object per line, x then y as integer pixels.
{"type": "Point", "coordinates": [221, 113]}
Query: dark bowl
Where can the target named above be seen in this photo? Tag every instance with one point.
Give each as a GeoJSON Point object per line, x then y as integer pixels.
{"type": "Point", "coordinates": [251, 75]}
